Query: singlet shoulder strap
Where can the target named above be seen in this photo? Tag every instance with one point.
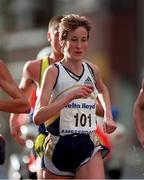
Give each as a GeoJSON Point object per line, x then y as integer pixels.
{"type": "Point", "coordinates": [91, 71]}
{"type": "Point", "coordinates": [44, 64]}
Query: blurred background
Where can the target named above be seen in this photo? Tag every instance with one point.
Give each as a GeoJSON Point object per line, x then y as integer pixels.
{"type": "Point", "coordinates": [116, 45]}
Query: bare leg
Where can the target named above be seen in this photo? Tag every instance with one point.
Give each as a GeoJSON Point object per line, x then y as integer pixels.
{"type": "Point", "coordinates": [48, 175]}
{"type": "Point", "coordinates": [93, 169]}
{"type": "Point", "coordinates": [40, 169]}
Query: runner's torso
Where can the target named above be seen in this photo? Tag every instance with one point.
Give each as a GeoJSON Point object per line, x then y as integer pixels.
{"type": "Point", "coordinates": [79, 115]}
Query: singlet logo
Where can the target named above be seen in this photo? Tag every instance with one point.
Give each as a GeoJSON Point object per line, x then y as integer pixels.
{"type": "Point", "coordinates": [88, 80]}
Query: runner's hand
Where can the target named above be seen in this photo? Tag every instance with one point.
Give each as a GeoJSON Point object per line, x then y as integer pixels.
{"type": "Point", "coordinates": [15, 131]}
{"type": "Point", "coordinates": [83, 91]}
{"type": "Point", "coordinates": [109, 125]}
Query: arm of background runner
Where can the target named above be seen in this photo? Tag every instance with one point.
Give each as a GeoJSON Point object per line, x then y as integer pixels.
{"type": "Point", "coordinates": [44, 109]}
{"type": "Point", "coordinates": [18, 102]}
{"type": "Point", "coordinates": [138, 114]}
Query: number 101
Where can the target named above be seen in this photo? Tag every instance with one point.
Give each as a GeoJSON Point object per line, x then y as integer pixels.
{"type": "Point", "coordinates": [82, 119]}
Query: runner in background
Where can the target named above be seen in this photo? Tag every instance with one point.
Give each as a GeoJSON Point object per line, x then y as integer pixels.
{"type": "Point", "coordinates": [32, 76]}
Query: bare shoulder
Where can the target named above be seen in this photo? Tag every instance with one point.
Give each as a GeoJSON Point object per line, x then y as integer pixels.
{"type": "Point", "coordinates": [140, 98]}
{"type": "Point", "coordinates": [32, 64]}
{"type": "Point", "coordinates": [94, 67]}
{"type": "Point", "coordinates": [51, 71]}
{"type": "Point", "coordinates": [31, 69]}
{"type": "Point", "coordinates": [50, 76]}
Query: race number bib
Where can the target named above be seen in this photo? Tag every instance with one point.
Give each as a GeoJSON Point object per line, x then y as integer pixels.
{"type": "Point", "coordinates": [79, 116]}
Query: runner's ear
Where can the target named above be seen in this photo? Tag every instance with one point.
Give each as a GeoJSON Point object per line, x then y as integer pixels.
{"type": "Point", "coordinates": [48, 37]}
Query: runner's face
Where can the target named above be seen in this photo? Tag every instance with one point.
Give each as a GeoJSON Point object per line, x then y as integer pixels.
{"type": "Point", "coordinates": [54, 36]}
{"type": "Point", "coordinates": [76, 44]}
